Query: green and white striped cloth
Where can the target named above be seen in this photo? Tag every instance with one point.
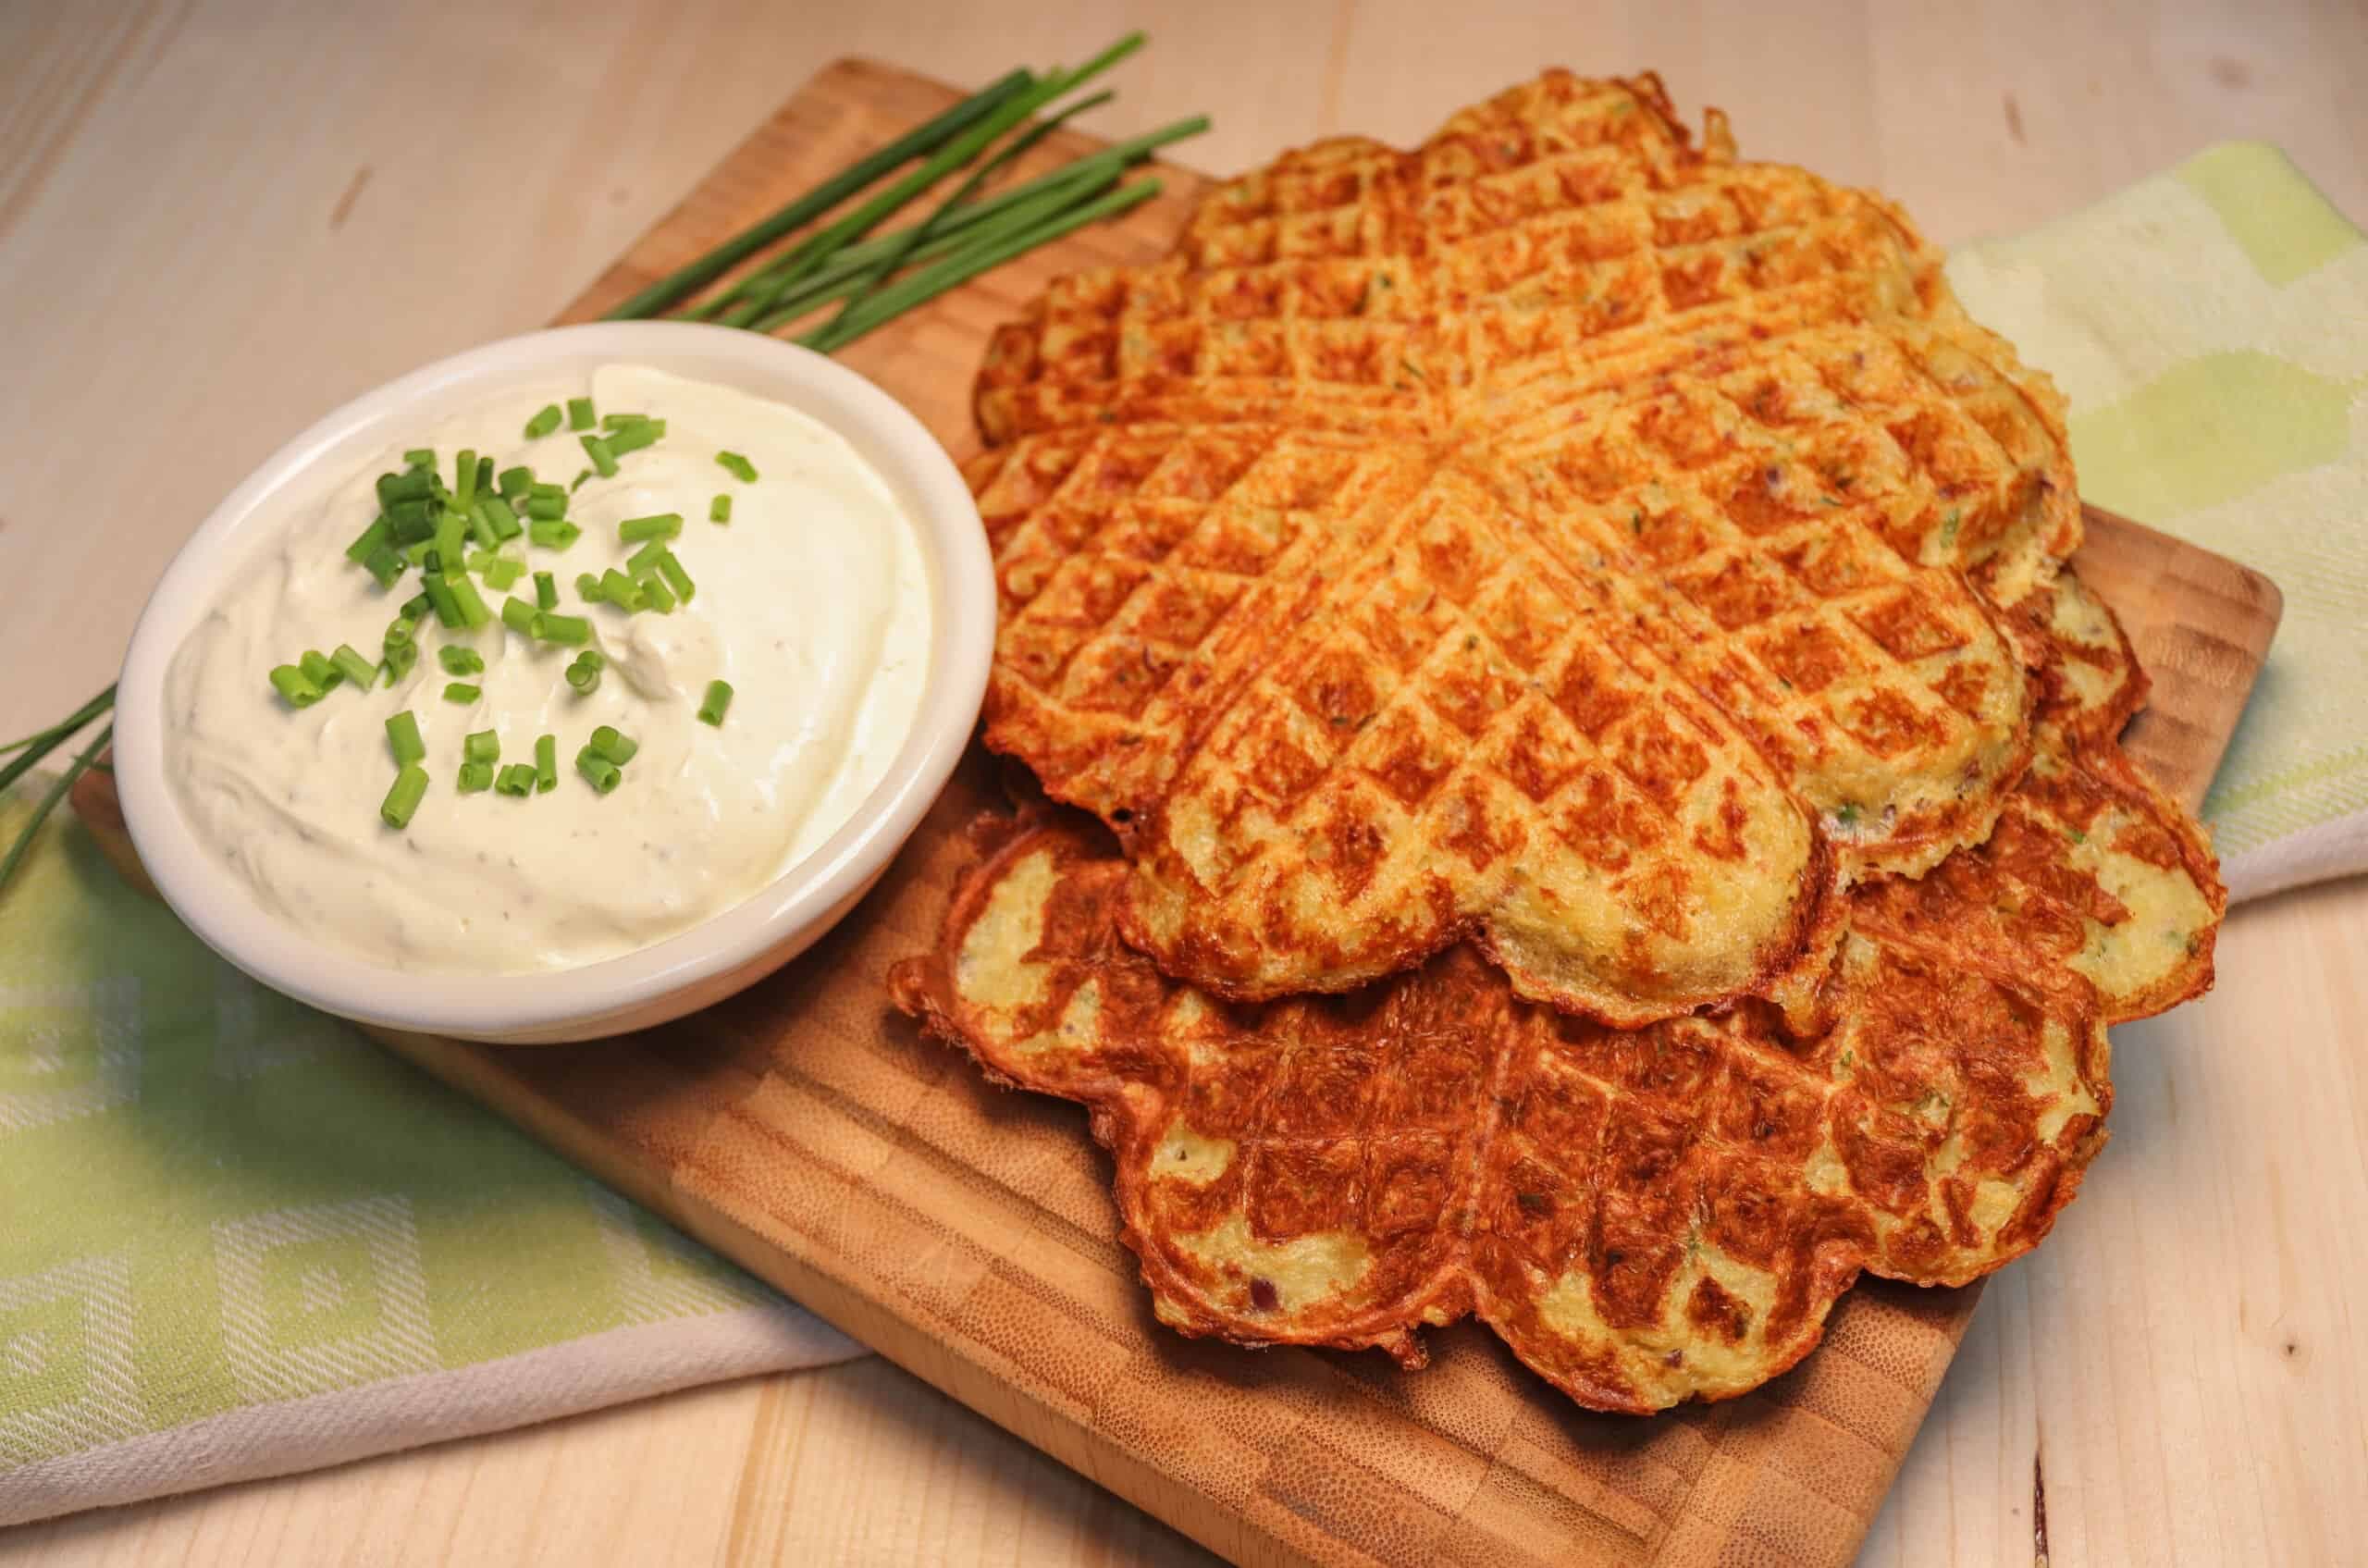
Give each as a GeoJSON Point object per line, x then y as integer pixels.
{"type": "Point", "coordinates": [236, 1239]}
{"type": "Point", "coordinates": [2211, 327]}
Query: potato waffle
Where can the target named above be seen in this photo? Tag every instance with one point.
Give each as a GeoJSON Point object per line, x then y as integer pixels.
{"type": "Point", "coordinates": [1646, 1216]}
{"type": "Point", "coordinates": [1382, 596]}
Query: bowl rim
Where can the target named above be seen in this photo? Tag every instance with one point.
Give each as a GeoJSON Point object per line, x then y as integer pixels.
{"type": "Point", "coordinates": [800, 902]}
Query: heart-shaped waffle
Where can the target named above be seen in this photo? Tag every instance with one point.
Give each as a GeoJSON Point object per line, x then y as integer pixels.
{"type": "Point", "coordinates": [1557, 537]}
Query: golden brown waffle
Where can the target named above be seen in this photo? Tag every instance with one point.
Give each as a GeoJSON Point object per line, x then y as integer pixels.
{"type": "Point", "coordinates": [1380, 597]}
{"type": "Point", "coordinates": [1649, 1216]}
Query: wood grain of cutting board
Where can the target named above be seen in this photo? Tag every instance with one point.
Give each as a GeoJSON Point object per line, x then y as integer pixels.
{"type": "Point", "coordinates": [806, 1130]}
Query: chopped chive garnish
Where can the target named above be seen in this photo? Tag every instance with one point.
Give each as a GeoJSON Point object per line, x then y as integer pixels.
{"type": "Point", "coordinates": [518, 779]}
{"type": "Point", "coordinates": [614, 744]}
{"type": "Point", "coordinates": [598, 771]}
{"type": "Point", "coordinates": [585, 673]}
{"type": "Point", "coordinates": [403, 795]}
{"type": "Point", "coordinates": [413, 521]}
{"type": "Point", "coordinates": [402, 739]}
{"type": "Point", "coordinates": [458, 659]}
{"type": "Point", "coordinates": [676, 578]}
{"type": "Point", "coordinates": [546, 508]}
{"type": "Point", "coordinates": [546, 591]}
{"type": "Point", "coordinates": [481, 746]}
{"type": "Point", "coordinates": [547, 491]}
{"type": "Point", "coordinates": [719, 510]}
{"type": "Point", "coordinates": [516, 481]}
{"type": "Point", "coordinates": [485, 474]}
{"type": "Point", "coordinates": [474, 778]}
{"type": "Point", "coordinates": [318, 669]}
{"type": "Point", "coordinates": [439, 589]}
{"type": "Point", "coordinates": [619, 421]}
{"type": "Point", "coordinates": [662, 526]}
{"type": "Point", "coordinates": [385, 566]}
{"type": "Point", "coordinates": [660, 597]}
{"type": "Point", "coordinates": [401, 629]}
{"type": "Point", "coordinates": [416, 607]}
{"type": "Point", "coordinates": [353, 667]}
{"type": "Point", "coordinates": [420, 457]}
{"type": "Point", "coordinates": [546, 763]}
{"type": "Point", "coordinates": [557, 534]}
{"type": "Point", "coordinates": [635, 436]}
{"type": "Point", "coordinates": [577, 483]}
{"type": "Point", "coordinates": [643, 561]}
{"type": "Point", "coordinates": [501, 572]}
{"type": "Point", "coordinates": [579, 414]}
{"type": "Point", "coordinates": [499, 518]}
{"type": "Point", "coordinates": [416, 484]}
{"type": "Point", "coordinates": [719, 699]}
{"type": "Point", "coordinates": [371, 539]}
{"type": "Point", "coordinates": [300, 689]}
{"type": "Point", "coordinates": [451, 538]}
{"type": "Point", "coordinates": [602, 456]}
{"type": "Point", "coordinates": [519, 616]}
{"type": "Point", "coordinates": [464, 478]}
{"type": "Point", "coordinates": [400, 658]}
{"type": "Point", "coordinates": [742, 469]}
{"type": "Point", "coordinates": [622, 591]}
{"type": "Point", "coordinates": [546, 420]}
{"type": "Point", "coordinates": [550, 626]}
{"type": "Point", "coordinates": [460, 691]}
{"type": "Point", "coordinates": [474, 612]}
{"type": "Point", "coordinates": [480, 526]}
{"type": "Point", "coordinates": [588, 588]}
{"type": "Point", "coordinates": [421, 554]}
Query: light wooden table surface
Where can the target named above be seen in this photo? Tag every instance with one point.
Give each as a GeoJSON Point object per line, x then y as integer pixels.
{"type": "Point", "coordinates": [221, 217]}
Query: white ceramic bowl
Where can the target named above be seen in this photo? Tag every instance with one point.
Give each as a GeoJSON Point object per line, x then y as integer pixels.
{"type": "Point", "coordinates": [684, 973]}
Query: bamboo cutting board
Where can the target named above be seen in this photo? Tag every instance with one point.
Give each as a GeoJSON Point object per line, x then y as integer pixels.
{"type": "Point", "coordinates": [805, 1130]}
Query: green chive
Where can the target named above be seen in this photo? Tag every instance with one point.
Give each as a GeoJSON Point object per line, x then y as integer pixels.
{"type": "Point", "coordinates": [602, 456]}
{"type": "Point", "coordinates": [475, 778]}
{"type": "Point", "coordinates": [318, 669]}
{"type": "Point", "coordinates": [501, 572]}
{"type": "Point", "coordinates": [553, 535]}
{"type": "Point", "coordinates": [300, 689]}
{"type": "Point", "coordinates": [464, 478]}
{"type": "Point", "coordinates": [354, 668]}
{"type": "Point", "coordinates": [420, 457]}
{"type": "Point", "coordinates": [460, 691]}
{"type": "Point", "coordinates": [635, 436]}
{"type": "Point", "coordinates": [719, 701]}
{"type": "Point", "coordinates": [403, 795]}
{"type": "Point", "coordinates": [451, 538]}
{"type": "Point", "coordinates": [481, 746]}
{"type": "Point", "coordinates": [413, 519]}
{"type": "Point", "coordinates": [519, 616]}
{"type": "Point", "coordinates": [663, 526]}
{"type": "Point", "coordinates": [676, 578]}
{"type": "Point", "coordinates": [546, 763]}
{"type": "Point", "coordinates": [719, 510]}
{"type": "Point", "coordinates": [579, 414]}
{"type": "Point", "coordinates": [402, 739]}
{"type": "Point", "coordinates": [546, 591]}
{"type": "Point", "coordinates": [588, 588]}
{"type": "Point", "coordinates": [485, 474]}
{"type": "Point", "coordinates": [660, 597]}
{"type": "Point", "coordinates": [577, 483]}
{"type": "Point", "coordinates": [742, 469]}
{"type": "Point", "coordinates": [421, 554]}
{"type": "Point", "coordinates": [499, 518]}
{"type": "Point", "coordinates": [400, 658]}
{"type": "Point", "coordinates": [547, 491]}
{"type": "Point", "coordinates": [643, 561]}
{"type": "Point", "coordinates": [546, 508]}
{"type": "Point", "coordinates": [598, 771]}
{"type": "Point", "coordinates": [458, 659]}
{"type": "Point", "coordinates": [385, 566]}
{"type": "Point", "coordinates": [371, 539]}
{"type": "Point", "coordinates": [585, 673]}
{"type": "Point", "coordinates": [517, 780]}
{"type": "Point", "coordinates": [474, 612]}
{"type": "Point", "coordinates": [614, 744]}
{"type": "Point", "coordinates": [416, 484]}
{"type": "Point", "coordinates": [622, 591]}
{"type": "Point", "coordinates": [619, 421]}
{"type": "Point", "coordinates": [516, 482]}
{"type": "Point", "coordinates": [416, 607]}
{"type": "Point", "coordinates": [546, 420]}
{"type": "Point", "coordinates": [564, 629]}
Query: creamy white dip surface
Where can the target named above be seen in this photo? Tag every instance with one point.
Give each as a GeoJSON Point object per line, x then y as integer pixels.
{"type": "Point", "coordinates": [813, 602]}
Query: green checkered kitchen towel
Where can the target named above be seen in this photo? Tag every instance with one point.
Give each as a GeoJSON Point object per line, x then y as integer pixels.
{"type": "Point", "coordinates": [2209, 327]}
{"type": "Point", "coordinates": [236, 1239]}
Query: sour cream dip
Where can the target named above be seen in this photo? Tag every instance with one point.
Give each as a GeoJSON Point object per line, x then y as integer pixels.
{"type": "Point", "coordinates": [812, 602]}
